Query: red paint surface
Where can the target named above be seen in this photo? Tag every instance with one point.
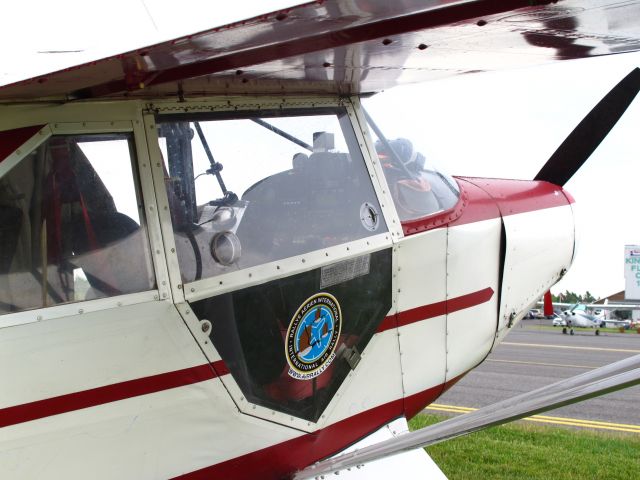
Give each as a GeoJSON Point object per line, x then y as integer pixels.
{"type": "Point", "coordinates": [488, 198]}
{"type": "Point", "coordinates": [548, 303]}
{"type": "Point", "coordinates": [439, 220]}
{"type": "Point", "coordinates": [10, 140]}
{"type": "Point", "coordinates": [521, 196]}
{"type": "Point", "coordinates": [109, 393]}
{"type": "Point", "coordinates": [480, 206]}
{"type": "Point", "coordinates": [470, 300]}
{"type": "Point", "coordinates": [436, 309]}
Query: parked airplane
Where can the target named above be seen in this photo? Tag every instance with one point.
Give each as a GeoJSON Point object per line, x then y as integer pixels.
{"type": "Point", "coordinates": [590, 315]}
{"type": "Point", "coordinates": [214, 264]}
{"type": "Point", "coordinates": [577, 316]}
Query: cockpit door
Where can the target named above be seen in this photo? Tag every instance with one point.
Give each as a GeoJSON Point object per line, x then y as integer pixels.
{"type": "Point", "coordinates": [279, 246]}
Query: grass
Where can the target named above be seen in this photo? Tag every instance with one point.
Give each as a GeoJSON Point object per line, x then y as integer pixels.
{"type": "Point", "coordinates": [530, 452]}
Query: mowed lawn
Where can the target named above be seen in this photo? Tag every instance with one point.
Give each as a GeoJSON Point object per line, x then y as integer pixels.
{"type": "Point", "coordinates": [523, 451]}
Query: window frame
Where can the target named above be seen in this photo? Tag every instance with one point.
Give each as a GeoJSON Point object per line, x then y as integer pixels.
{"type": "Point", "coordinates": [229, 282]}
{"type": "Point", "coordinates": [148, 219]}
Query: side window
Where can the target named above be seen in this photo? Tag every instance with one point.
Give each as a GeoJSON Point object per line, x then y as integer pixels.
{"type": "Point", "coordinates": [418, 188]}
{"type": "Point", "coordinates": [70, 226]}
{"type": "Point", "coordinates": [246, 189]}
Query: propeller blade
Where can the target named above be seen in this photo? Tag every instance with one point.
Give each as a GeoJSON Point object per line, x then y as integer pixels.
{"type": "Point", "coordinates": [593, 128]}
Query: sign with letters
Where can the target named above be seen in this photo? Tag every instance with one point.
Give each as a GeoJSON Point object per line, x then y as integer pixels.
{"type": "Point", "coordinates": [632, 272]}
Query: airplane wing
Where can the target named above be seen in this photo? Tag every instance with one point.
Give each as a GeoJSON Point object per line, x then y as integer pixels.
{"type": "Point", "coordinates": [613, 306]}
{"type": "Point", "coordinates": [359, 46]}
{"type": "Point", "coordinates": [597, 306]}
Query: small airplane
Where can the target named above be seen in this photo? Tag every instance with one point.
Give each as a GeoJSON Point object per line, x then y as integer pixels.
{"type": "Point", "coordinates": [577, 316]}
{"type": "Point", "coordinates": [588, 315]}
{"type": "Point", "coordinates": [175, 222]}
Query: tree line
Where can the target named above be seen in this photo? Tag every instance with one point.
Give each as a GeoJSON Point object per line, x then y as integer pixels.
{"type": "Point", "coordinates": [572, 297]}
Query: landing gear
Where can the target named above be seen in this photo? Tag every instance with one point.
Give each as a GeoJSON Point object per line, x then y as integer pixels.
{"type": "Point", "coordinates": [571, 332]}
{"type": "Point", "coordinates": [564, 330]}
{"type": "Point", "coordinates": [597, 331]}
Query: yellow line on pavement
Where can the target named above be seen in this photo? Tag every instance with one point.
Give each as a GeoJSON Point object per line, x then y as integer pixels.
{"type": "Point", "coordinates": [574, 422]}
{"type": "Point", "coordinates": [572, 347]}
{"type": "Point", "coordinates": [584, 425]}
{"type": "Point", "coordinates": [540, 363]}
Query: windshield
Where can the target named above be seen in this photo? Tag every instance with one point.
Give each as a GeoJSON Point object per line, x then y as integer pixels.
{"type": "Point", "coordinates": [418, 188]}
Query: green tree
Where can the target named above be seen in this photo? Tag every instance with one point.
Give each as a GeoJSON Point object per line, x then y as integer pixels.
{"type": "Point", "coordinates": [572, 297]}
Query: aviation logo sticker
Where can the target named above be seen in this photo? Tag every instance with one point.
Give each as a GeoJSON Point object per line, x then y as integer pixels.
{"type": "Point", "coordinates": [312, 336]}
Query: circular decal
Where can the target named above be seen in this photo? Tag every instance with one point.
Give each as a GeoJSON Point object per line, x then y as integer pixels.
{"type": "Point", "coordinates": [312, 336]}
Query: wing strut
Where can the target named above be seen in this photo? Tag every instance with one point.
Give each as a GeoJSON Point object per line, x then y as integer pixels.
{"type": "Point", "coordinates": [609, 378]}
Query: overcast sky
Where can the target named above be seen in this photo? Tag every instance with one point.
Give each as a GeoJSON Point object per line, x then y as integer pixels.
{"type": "Point", "coordinates": [501, 125]}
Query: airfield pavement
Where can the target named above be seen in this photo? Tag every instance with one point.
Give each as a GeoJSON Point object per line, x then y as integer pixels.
{"type": "Point", "coordinates": [531, 357]}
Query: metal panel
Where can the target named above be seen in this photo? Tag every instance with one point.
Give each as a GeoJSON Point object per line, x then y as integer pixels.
{"type": "Point", "coordinates": [161, 435]}
{"type": "Point", "coordinates": [473, 263]}
{"type": "Point", "coordinates": [539, 251]}
{"type": "Point", "coordinates": [159, 205]}
{"type": "Point", "coordinates": [79, 352]}
{"type": "Point", "coordinates": [422, 280]}
{"type": "Point", "coordinates": [375, 170]}
{"type": "Point", "coordinates": [152, 216]}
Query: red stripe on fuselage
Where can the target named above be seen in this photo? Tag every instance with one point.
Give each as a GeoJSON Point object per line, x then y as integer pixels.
{"type": "Point", "coordinates": [165, 381]}
{"type": "Point", "coordinates": [273, 462]}
{"type": "Point", "coordinates": [109, 393]}
{"type": "Point", "coordinates": [436, 309]}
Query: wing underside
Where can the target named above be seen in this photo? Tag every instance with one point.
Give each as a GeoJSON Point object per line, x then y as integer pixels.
{"type": "Point", "coordinates": [350, 47]}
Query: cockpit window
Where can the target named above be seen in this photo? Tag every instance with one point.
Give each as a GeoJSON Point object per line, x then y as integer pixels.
{"type": "Point", "coordinates": [247, 189]}
{"type": "Point", "coordinates": [70, 226]}
{"type": "Point", "coordinates": [418, 188]}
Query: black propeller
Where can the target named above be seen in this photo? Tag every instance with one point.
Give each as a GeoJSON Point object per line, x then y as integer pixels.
{"type": "Point", "coordinates": [585, 138]}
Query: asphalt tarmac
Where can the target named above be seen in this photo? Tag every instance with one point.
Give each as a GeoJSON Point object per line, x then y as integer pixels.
{"type": "Point", "coordinates": [530, 358]}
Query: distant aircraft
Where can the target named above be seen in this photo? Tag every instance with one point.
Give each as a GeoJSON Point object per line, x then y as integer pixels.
{"type": "Point", "coordinates": [577, 316]}
{"type": "Point", "coordinates": [586, 315]}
